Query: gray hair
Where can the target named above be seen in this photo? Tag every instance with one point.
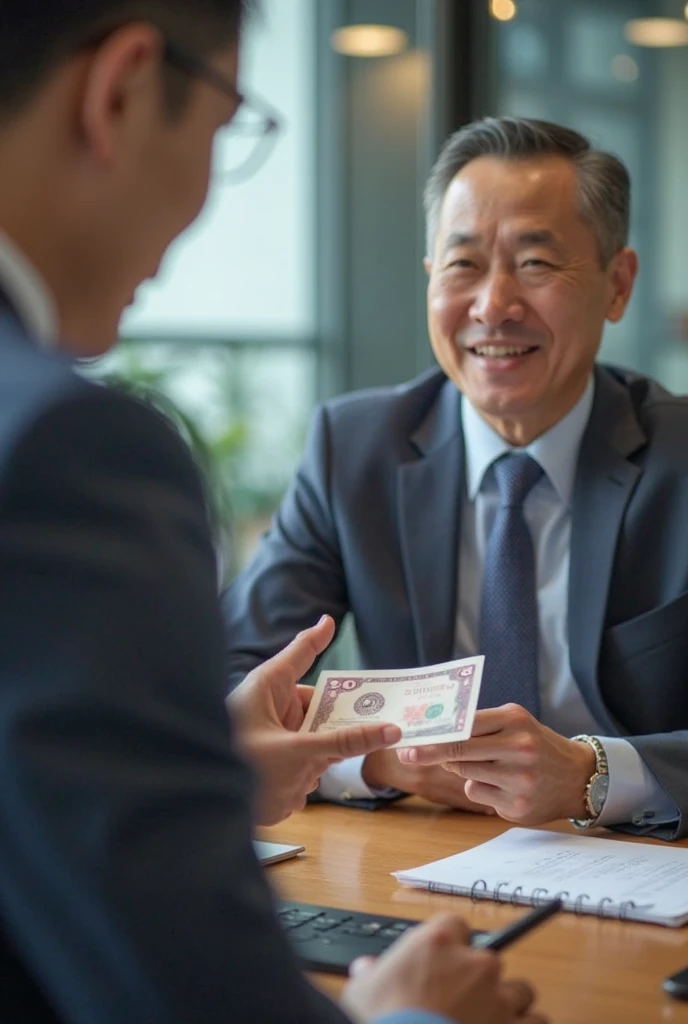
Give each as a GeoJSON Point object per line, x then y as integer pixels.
{"type": "Point", "coordinates": [603, 180]}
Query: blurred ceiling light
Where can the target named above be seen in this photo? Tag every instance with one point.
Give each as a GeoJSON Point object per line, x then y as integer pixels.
{"type": "Point", "coordinates": [685, 12]}
{"type": "Point", "coordinates": [369, 40]}
{"type": "Point", "coordinates": [624, 68]}
{"type": "Point", "coordinates": [657, 32]}
{"type": "Point", "coordinates": [503, 10]}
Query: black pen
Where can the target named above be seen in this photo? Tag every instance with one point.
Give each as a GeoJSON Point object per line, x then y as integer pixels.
{"type": "Point", "coordinates": [505, 936]}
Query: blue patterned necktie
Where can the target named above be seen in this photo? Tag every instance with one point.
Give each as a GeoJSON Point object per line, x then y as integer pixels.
{"type": "Point", "coordinates": [508, 610]}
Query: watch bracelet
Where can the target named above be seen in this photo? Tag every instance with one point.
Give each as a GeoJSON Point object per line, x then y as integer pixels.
{"type": "Point", "coordinates": [601, 768]}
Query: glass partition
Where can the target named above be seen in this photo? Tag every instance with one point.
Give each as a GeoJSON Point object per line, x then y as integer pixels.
{"type": "Point", "coordinates": [571, 61]}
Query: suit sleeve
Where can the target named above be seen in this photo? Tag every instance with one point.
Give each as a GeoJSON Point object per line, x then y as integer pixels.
{"type": "Point", "coordinates": [128, 886]}
{"type": "Point", "coordinates": [297, 573]}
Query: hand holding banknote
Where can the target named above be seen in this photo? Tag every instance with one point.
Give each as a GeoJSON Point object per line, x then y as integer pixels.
{"type": "Point", "coordinates": [434, 705]}
{"type": "Point", "coordinates": [525, 771]}
{"type": "Point", "coordinates": [269, 707]}
{"type": "Point", "coordinates": [431, 686]}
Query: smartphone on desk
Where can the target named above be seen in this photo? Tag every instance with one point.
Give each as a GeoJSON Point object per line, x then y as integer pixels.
{"type": "Point", "coordinates": [272, 853]}
{"type": "Point", "coordinates": [677, 984]}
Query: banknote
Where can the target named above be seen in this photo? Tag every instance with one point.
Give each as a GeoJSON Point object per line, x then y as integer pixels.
{"type": "Point", "coordinates": [434, 704]}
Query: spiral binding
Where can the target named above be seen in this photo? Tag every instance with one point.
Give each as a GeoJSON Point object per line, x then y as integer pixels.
{"type": "Point", "coordinates": [582, 904]}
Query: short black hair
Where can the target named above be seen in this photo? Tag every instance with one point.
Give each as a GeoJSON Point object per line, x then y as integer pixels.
{"type": "Point", "coordinates": [36, 36]}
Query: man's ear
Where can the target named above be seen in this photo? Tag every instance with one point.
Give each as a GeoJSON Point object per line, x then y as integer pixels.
{"type": "Point", "coordinates": [122, 78]}
{"type": "Point", "coordinates": [622, 274]}
{"type": "Point", "coordinates": [427, 263]}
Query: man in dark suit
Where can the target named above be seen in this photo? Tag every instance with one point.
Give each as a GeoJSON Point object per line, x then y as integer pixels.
{"type": "Point", "coordinates": [575, 587]}
{"type": "Point", "coordinates": [129, 891]}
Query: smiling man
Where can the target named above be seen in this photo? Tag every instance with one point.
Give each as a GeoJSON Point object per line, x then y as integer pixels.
{"type": "Point", "coordinates": [520, 287]}
{"type": "Point", "coordinates": [523, 502]}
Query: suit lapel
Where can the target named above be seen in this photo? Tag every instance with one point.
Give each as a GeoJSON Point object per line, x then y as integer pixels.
{"type": "Point", "coordinates": [605, 480]}
{"type": "Point", "coordinates": [429, 491]}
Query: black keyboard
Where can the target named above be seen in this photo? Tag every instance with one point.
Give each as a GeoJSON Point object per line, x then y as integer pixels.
{"type": "Point", "coordinates": [327, 939]}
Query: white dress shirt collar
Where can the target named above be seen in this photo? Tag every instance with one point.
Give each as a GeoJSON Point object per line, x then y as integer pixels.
{"type": "Point", "coordinates": [28, 293]}
{"type": "Point", "coordinates": [556, 450]}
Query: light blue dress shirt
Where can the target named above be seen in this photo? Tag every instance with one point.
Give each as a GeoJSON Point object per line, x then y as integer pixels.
{"type": "Point", "coordinates": [634, 793]}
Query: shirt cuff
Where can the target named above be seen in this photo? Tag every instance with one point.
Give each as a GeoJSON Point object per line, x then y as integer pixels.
{"type": "Point", "coordinates": [344, 781]}
{"type": "Point", "coordinates": [412, 1017]}
{"type": "Point", "coordinates": [634, 795]}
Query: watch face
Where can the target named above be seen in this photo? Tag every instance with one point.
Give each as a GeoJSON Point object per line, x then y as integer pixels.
{"type": "Point", "coordinates": [598, 793]}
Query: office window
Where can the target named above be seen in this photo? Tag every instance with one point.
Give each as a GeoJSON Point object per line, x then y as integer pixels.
{"type": "Point", "coordinates": [225, 334]}
{"type": "Point", "coordinates": [571, 62]}
{"type": "Point", "coordinates": [244, 269]}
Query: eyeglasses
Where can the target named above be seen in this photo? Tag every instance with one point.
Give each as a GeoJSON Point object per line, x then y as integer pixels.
{"type": "Point", "coordinates": [242, 147]}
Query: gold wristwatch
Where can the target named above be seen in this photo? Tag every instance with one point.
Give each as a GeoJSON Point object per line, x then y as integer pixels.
{"type": "Point", "coordinates": [598, 787]}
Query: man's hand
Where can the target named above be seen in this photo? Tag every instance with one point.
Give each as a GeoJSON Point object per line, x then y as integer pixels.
{"type": "Point", "coordinates": [433, 968]}
{"type": "Point", "coordinates": [383, 768]}
{"type": "Point", "coordinates": [528, 773]}
{"type": "Point", "coordinates": [268, 708]}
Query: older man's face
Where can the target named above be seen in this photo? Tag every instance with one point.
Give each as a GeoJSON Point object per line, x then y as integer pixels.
{"type": "Point", "coordinates": [518, 297]}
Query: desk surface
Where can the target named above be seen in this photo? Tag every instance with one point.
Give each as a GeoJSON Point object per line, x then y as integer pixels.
{"type": "Point", "coordinates": [585, 969]}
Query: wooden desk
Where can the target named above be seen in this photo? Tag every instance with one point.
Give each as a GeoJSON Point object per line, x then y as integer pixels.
{"type": "Point", "coordinates": [585, 969]}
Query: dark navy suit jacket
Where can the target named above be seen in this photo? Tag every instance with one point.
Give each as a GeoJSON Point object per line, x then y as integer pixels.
{"type": "Point", "coordinates": [129, 893]}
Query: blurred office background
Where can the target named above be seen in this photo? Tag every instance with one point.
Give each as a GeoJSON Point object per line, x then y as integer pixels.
{"type": "Point", "coordinates": [306, 279]}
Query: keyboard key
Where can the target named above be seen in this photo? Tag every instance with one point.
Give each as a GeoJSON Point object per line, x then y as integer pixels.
{"type": "Point", "coordinates": [323, 923]}
{"type": "Point", "coordinates": [366, 928]}
{"type": "Point", "coordinates": [294, 918]}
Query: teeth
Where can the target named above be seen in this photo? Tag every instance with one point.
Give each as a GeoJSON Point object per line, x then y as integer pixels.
{"type": "Point", "coordinates": [499, 351]}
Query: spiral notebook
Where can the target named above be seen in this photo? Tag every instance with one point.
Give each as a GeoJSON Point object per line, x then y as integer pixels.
{"type": "Point", "coordinates": [607, 877]}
